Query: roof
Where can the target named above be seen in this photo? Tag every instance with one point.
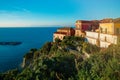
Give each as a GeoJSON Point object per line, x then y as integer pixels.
{"type": "Point", "coordinates": [65, 28]}
{"type": "Point", "coordinates": [60, 33]}
{"type": "Point", "coordinates": [110, 20]}
{"type": "Point", "coordinates": [106, 20]}
{"type": "Point", "coordinates": [84, 21]}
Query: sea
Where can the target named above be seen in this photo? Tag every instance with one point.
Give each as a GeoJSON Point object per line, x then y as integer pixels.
{"type": "Point", "coordinates": [31, 37]}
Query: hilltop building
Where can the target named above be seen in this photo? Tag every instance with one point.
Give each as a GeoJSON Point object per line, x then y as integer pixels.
{"type": "Point", "coordinates": [62, 32]}
{"type": "Point", "coordinates": [82, 26]}
{"type": "Point", "coordinates": [107, 34]}
{"type": "Point", "coordinates": [101, 33]}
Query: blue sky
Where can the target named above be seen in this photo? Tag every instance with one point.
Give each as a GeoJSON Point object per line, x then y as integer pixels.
{"type": "Point", "coordinates": [55, 12]}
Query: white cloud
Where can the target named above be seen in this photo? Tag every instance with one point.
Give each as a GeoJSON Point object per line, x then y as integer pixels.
{"type": "Point", "coordinates": [19, 9]}
{"type": "Point", "coordinates": [15, 10]}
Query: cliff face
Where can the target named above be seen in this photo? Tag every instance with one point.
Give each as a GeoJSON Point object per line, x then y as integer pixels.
{"type": "Point", "coordinates": [28, 58]}
{"type": "Point", "coordinates": [26, 62]}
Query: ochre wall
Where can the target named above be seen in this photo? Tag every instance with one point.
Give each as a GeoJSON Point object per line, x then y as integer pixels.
{"type": "Point", "coordinates": [70, 32]}
{"type": "Point", "coordinates": [78, 32]}
{"type": "Point", "coordinates": [117, 26]}
{"type": "Point", "coordinates": [108, 26]}
{"type": "Point", "coordinates": [62, 30]}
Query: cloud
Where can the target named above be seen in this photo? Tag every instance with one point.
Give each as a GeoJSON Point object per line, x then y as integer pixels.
{"type": "Point", "coordinates": [21, 9]}
{"type": "Point", "coordinates": [14, 13]}
{"type": "Point", "coordinates": [15, 10]}
{"type": "Point", "coordinates": [4, 14]}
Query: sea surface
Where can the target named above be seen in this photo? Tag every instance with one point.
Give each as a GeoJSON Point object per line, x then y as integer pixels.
{"type": "Point", "coordinates": [11, 56]}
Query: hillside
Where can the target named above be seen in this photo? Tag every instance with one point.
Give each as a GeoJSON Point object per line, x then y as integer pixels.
{"type": "Point", "coordinates": [69, 59]}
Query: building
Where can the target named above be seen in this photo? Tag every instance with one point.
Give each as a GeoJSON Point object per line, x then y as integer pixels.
{"type": "Point", "coordinates": [82, 26]}
{"type": "Point", "coordinates": [62, 32]}
{"type": "Point", "coordinates": [98, 32]}
{"type": "Point", "coordinates": [109, 33]}
{"type": "Point", "coordinates": [110, 28]}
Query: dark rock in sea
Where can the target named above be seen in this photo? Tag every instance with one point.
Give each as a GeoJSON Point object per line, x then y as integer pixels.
{"type": "Point", "coordinates": [10, 43]}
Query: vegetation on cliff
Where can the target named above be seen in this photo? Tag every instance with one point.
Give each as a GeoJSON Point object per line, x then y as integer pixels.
{"type": "Point", "coordinates": [69, 59]}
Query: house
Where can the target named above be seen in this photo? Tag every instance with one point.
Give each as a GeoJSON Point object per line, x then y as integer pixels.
{"type": "Point", "coordinates": [98, 32]}
{"type": "Point", "coordinates": [108, 33]}
{"type": "Point", "coordinates": [62, 32]}
{"type": "Point", "coordinates": [82, 26]}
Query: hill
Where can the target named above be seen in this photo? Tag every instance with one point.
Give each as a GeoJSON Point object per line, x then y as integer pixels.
{"type": "Point", "coordinates": [69, 59]}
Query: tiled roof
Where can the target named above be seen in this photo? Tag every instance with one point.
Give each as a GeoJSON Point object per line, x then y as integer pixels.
{"type": "Point", "coordinates": [109, 20]}
{"type": "Point", "coordinates": [65, 28]}
{"type": "Point", "coordinates": [60, 33]}
{"type": "Point", "coordinates": [84, 21]}
{"type": "Point", "coordinates": [106, 20]}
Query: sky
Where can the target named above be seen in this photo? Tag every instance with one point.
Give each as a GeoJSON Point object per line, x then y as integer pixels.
{"type": "Point", "coordinates": [22, 13]}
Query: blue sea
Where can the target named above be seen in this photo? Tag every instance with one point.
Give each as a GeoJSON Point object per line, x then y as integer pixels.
{"type": "Point", "coordinates": [11, 56]}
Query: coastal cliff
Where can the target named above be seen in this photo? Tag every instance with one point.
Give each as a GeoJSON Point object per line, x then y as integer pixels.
{"type": "Point", "coordinates": [69, 59]}
{"type": "Point", "coordinates": [28, 58]}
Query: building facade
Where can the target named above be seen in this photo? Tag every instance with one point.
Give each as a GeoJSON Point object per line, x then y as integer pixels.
{"type": "Point", "coordinates": [62, 32]}
{"type": "Point", "coordinates": [101, 33]}
{"type": "Point", "coordinates": [82, 26]}
{"type": "Point", "coordinates": [108, 34]}
{"type": "Point", "coordinates": [110, 28]}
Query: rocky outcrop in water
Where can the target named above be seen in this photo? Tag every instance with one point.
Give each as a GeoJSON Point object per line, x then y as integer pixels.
{"type": "Point", "coordinates": [10, 43]}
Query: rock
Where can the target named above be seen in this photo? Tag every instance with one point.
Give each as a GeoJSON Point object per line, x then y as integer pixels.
{"type": "Point", "coordinates": [26, 62]}
{"type": "Point", "coordinates": [10, 43]}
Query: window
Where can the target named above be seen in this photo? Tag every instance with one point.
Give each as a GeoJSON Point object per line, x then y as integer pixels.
{"type": "Point", "coordinates": [105, 30]}
{"type": "Point", "coordinates": [101, 30]}
{"type": "Point", "coordinates": [105, 38]}
{"type": "Point", "coordinates": [117, 31]}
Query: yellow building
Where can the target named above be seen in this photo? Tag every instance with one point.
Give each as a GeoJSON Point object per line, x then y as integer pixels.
{"type": "Point", "coordinates": [109, 33]}
{"type": "Point", "coordinates": [101, 33]}
{"type": "Point", "coordinates": [110, 28]}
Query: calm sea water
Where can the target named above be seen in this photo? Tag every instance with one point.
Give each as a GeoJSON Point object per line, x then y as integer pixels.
{"type": "Point", "coordinates": [11, 56]}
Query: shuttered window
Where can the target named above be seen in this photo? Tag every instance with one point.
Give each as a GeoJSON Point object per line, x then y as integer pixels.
{"type": "Point", "coordinates": [117, 31]}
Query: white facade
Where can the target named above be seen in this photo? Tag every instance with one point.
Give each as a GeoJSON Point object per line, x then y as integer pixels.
{"type": "Point", "coordinates": [104, 39]}
{"type": "Point", "coordinates": [92, 34]}
{"type": "Point", "coordinates": [92, 40]}
{"type": "Point", "coordinates": [92, 37]}
{"type": "Point", "coordinates": [104, 44]}
{"type": "Point", "coordinates": [108, 38]}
